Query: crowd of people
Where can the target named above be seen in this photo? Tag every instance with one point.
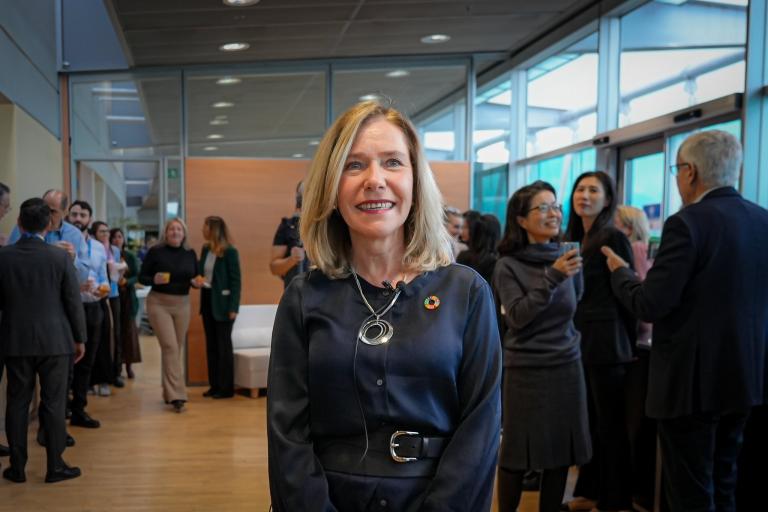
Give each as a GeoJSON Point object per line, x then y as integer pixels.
{"type": "Point", "coordinates": [91, 305]}
{"type": "Point", "coordinates": [420, 353]}
{"type": "Point", "coordinates": [393, 368]}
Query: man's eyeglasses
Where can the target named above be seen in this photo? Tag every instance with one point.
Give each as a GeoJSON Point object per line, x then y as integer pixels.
{"type": "Point", "coordinates": [544, 208]}
{"type": "Point", "coordinates": [673, 169]}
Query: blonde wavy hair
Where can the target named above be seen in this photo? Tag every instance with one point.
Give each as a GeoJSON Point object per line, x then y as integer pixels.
{"type": "Point", "coordinates": [180, 222]}
{"type": "Point", "coordinates": [325, 233]}
{"type": "Point", "coordinates": [636, 220]}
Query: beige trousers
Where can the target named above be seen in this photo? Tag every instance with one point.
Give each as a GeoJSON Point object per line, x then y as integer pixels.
{"type": "Point", "coordinates": [169, 318]}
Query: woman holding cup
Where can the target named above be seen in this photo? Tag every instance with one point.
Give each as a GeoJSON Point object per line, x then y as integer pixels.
{"type": "Point", "coordinates": [169, 268]}
{"type": "Point", "coordinates": [538, 283]}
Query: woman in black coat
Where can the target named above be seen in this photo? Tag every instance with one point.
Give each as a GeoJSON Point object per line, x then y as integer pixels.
{"type": "Point", "coordinates": [607, 346]}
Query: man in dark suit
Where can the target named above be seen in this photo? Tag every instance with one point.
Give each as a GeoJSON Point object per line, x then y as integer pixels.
{"type": "Point", "coordinates": [708, 300]}
{"type": "Point", "coordinates": [42, 326]}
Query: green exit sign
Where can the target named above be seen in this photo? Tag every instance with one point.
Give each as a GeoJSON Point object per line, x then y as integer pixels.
{"type": "Point", "coordinates": [173, 173]}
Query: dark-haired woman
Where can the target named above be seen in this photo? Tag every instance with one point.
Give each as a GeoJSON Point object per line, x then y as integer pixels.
{"type": "Point", "coordinates": [219, 267]}
{"type": "Point", "coordinates": [544, 394]}
{"type": "Point", "coordinates": [607, 346]}
{"type": "Point", "coordinates": [481, 254]}
{"type": "Point", "coordinates": [129, 305]}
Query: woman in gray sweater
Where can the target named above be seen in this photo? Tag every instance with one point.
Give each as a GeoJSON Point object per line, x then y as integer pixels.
{"type": "Point", "coordinates": [543, 395]}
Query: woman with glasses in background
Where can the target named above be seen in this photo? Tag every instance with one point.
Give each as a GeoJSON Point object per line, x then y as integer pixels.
{"type": "Point", "coordinates": [544, 399]}
{"type": "Point", "coordinates": [607, 346]}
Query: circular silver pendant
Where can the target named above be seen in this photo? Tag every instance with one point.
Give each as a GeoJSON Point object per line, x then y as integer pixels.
{"type": "Point", "coordinates": [375, 332]}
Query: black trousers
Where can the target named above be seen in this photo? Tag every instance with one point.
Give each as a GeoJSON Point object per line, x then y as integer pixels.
{"type": "Point", "coordinates": [81, 376]}
{"type": "Point", "coordinates": [754, 453]}
{"type": "Point", "coordinates": [218, 348]}
{"type": "Point", "coordinates": [699, 454]}
{"type": "Point", "coordinates": [53, 371]}
{"type": "Point", "coordinates": [608, 477]}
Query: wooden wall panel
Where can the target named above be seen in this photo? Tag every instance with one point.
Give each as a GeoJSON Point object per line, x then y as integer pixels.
{"type": "Point", "coordinates": [252, 196]}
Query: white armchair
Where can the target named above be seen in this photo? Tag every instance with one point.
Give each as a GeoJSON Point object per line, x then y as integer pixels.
{"type": "Point", "coordinates": [251, 342]}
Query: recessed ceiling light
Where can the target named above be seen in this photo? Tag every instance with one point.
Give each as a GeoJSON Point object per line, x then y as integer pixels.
{"type": "Point", "coordinates": [398, 73]}
{"type": "Point", "coordinates": [239, 3]}
{"type": "Point", "coordinates": [228, 80]}
{"type": "Point", "coordinates": [314, 142]}
{"type": "Point", "coordinates": [218, 122]}
{"type": "Point", "coordinates": [234, 47]}
{"type": "Point", "coordinates": [298, 155]}
{"type": "Point", "coordinates": [435, 38]}
{"type": "Point", "coordinates": [210, 148]}
{"type": "Point", "coordinates": [215, 136]}
{"type": "Point", "coordinates": [223, 104]}
{"type": "Point", "coordinates": [369, 97]}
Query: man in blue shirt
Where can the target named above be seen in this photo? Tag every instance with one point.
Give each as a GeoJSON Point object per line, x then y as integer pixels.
{"type": "Point", "coordinates": [61, 233]}
{"type": "Point", "coordinates": [93, 288]}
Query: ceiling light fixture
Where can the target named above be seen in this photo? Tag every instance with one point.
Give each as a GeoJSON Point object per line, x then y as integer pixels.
{"type": "Point", "coordinates": [215, 136]}
{"type": "Point", "coordinates": [435, 38]}
{"type": "Point", "coordinates": [298, 155]}
{"type": "Point", "coordinates": [223, 104]}
{"type": "Point", "coordinates": [239, 3]}
{"type": "Point", "coordinates": [234, 47]}
{"type": "Point", "coordinates": [218, 122]}
{"type": "Point", "coordinates": [314, 142]}
{"type": "Point", "coordinates": [228, 80]}
{"type": "Point", "coordinates": [210, 148]}
{"type": "Point", "coordinates": [369, 97]}
{"type": "Point", "coordinates": [398, 73]}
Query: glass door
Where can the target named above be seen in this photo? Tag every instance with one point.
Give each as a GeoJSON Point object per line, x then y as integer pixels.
{"type": "Point", "coordinates": [641, 168]}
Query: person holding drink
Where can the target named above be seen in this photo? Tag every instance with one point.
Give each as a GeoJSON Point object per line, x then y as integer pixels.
{"type": "Point", "coordinates": [538, 283]}
{"type": "Point", "coordinates": [169, 268]}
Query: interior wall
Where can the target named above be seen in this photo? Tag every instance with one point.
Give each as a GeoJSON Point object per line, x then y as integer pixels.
{"type": "Point", "coordinates": [252, 196]}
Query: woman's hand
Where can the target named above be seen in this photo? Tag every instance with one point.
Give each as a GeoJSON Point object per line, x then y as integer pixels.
{"type": "Point", "coordinates": [569, 263]}
{"type": "Point", "coordinates": [232, 315]}
{"type": "Point", "coordinates": [162, 278]}
{"type": "Point", "coordinates": [198, 281]}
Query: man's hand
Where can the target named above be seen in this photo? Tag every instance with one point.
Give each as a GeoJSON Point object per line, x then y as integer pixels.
{"type": "Point", "coordinates": [613, 260]}
{"type": "Point", "coordinates": [79, 351]}
{"type": "Point", "coordinates": [297, 253]}
{"type": "Point", "coordinates": [67, 247]}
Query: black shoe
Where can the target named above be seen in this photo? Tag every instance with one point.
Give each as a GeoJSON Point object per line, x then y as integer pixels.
{"type": "Point", "coordinates": [70, 441]}
{"type": "Point", "coordinates": [63, 473]}
{"type": "Point", "coordinates": [222, 395]}
{"type": "Point", "coordinates": [82, 419]}
{"type": "Point", "coordinates": [210, 392]}
{"type": "Point", "coordinates": [119, 382]}
{"type": "Point", "coordinates": [14, 476]}
{"type": "Point", "coordinates": [531, 481]}
{"type": "Point", "coordinates": [4, 451]}
{"type": "Point", "coordinates": [178, 405]}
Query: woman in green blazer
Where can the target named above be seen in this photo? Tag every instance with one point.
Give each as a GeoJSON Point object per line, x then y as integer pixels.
{"type": "Point", "coordinates": [219, 267]}
{"type": "Point", "coordinates": [129, 307]}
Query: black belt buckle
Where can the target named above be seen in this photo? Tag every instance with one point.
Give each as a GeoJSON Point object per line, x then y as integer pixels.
{"type": "Point", "coordinates": [393, 445]}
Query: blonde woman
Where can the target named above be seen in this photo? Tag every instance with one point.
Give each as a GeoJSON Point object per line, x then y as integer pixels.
{"type": "Point", "coordinates": [634, 223]}
{"type": "Point", "coordinates": [170, 267]}
{"type": "Point", "coordinates": [385, 365]}
{"type": "Point", "coordinates": [219, 277]}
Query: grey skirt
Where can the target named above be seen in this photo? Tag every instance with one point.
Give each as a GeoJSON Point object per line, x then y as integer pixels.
{"type": "Point", "coordinates": [545, 418]}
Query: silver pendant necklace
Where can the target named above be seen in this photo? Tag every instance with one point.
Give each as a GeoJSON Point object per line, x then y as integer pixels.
{"type": "Point", "coordinates": [374, 330]}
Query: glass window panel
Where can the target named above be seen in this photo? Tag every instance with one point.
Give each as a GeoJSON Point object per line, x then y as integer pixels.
{"type": "Point", "coordinates": [559, 115]}
{"type": "Point", "coordinates": [493, 117]}
{"type": "Point", "coordinates": [491, 189]}
{"type": "Point", "coordinates": [433, 97]}
{"type": "Point", "coordinates": [257, 115]}
{"type": "Point", "coordinates": [130, 117]}
{"type": "Point", "coordinates": [676, 56]}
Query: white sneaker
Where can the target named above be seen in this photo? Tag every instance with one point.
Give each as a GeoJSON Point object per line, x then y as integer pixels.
{"type": "Point", "coordinates": [104, 390]}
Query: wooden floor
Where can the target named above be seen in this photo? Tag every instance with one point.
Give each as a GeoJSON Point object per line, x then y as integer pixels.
{"type": "Point", "coordinates": [213, 457]}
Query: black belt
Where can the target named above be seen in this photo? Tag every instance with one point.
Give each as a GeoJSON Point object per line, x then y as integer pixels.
{"type": "Point", "coordinates": [391, 453]}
